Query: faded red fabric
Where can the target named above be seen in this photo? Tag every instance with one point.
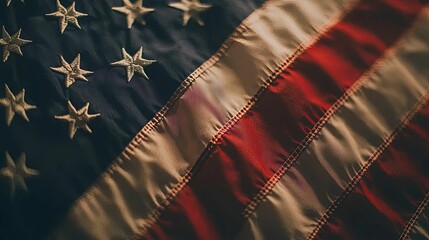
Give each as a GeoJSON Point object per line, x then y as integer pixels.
{"type": "Point", "coordinates": [390, 192]}
{"type": "Point", "coordinates": [211, 205]}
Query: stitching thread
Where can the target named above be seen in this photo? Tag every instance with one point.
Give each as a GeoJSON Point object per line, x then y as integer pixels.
{"type": "Point", "coordinates": [293, 158]}
{"type": "Point", "coordinates": [160, 116]}
{"type": "Point", "coordinates": [213, 142]}
{"type": "Point", "coordinates": [153, 217]}
{"type": "Point", "coordinates": [407, 230]}
{"type": "Point", "coordinates": [352, 184]}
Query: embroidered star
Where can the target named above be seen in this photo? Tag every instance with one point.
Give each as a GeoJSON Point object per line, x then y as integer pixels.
{"type": "Point", "coordinates": [133, 64]}
{"type": "Point", "coordinates": [77, 119]}
{"type": "Point", "coordinates": [71, 71]}
{"type": "Point", "coordinates": [134, 11]}
{"type": "Point", "coordinates": [11, 43]}
{"type": "Point", "coordinates": [67, 15]}
{"type": "Point", "coordinates": [17, 173]}
{"type": "Point", "coordinates": [191, 9]}
{"type": "Point", "coordinates": [9, 1]}
{"type": "Point", "coordinates": [15, 104]}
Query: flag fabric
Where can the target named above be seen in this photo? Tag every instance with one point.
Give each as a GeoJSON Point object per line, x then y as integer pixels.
{"type": "Point", "coordinates": [189, 119]}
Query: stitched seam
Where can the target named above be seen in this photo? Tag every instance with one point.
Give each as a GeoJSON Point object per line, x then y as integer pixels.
{"type": "Point", "coordinates": [215, 58]}
{"type": "Point", "coordinates": [160, 116]}
{"type": "Point", "coordinates": [153, 217]}
{"type": "Point", "coordinates": [293, 158]}
{"type": "Point", "coordinates": [352, 184]}
{"type": "Point", "coordinates": [213, 142]}
{"type": "Point", "coordinates": [407, 230]}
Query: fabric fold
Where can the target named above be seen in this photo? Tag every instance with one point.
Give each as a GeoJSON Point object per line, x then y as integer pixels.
{"type": "Point", "coordinates": [158, 160]}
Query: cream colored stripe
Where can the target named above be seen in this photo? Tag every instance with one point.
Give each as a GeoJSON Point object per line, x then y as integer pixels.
{"type": "Point", "coordinates": [348, 140]}
{"type": "Point", "coordinates": [418, 226]}
{"type": "Point", "coordinates": [420, 231]}
{"type": "Point", "coordinates": [162, 154]}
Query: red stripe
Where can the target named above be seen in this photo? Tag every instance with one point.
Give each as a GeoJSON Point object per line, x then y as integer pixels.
{"type": "Point", "coordinates": [390, 192]}
{"type": "Point", "coordinates": [211, 205]}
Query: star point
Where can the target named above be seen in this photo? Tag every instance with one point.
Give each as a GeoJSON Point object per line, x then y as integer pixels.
{"type": "Point", "coordinates": [15, 104]}
{"type": "Point", "coordinates": [11, 43]}
{"type": "Point", "coordinates": [133, 64]}
{"type": "Point", "coordinates": [191, 9]}
{"type": "Point", "coordinates": [134, 12]}
{"type": "Point", "coordinates": [77, 119]}
{"type": "Point", "coordinates": [17, 173]}
{"type": "Point", "coordinates": [67, 15]}
{"type": "Point", "coordinates": [9, 1]}
{"type": "Point", "coordinates": [71, 71]}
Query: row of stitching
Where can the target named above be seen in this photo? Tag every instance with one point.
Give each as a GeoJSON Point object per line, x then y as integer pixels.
{"type": "Point", "coordinates": [213, 142]}
{"type": "Point", "coordinates": [225, 128]}
{"type": "Point", "coordinates": [160, 116]}
{"type": "Point", "coordinates": [292, 159]}
{"type": "Point", "coordinates": [413, 220]}
{"type": "Point", "coordinates": [215, 58]}
{"type": "Point", "coordinates": [154, 215]}
{"type": "Point", "coordinates": [215, 139]}
{"type": "Point", "coordinates": [352, 184]}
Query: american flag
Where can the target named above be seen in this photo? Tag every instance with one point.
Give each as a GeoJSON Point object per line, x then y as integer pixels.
{"type": "Point", "coordinates": [214, 119]}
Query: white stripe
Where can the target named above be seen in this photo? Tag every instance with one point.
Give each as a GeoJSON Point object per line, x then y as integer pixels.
{"type": "Point", "coordinates": [122, 200]}
{"type": "Point", "coordinates": [420, 231]}
{"type": "Point", "coordinates": [418, 226]}
{"type": "Point", "coordinates": [346, 142]}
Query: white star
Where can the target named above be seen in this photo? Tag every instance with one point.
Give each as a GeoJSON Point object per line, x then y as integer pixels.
{"type": "Point", "coordinates": [9, 1]}
{"type": "Point", "coordinates": [71, 71]}
{"type": "Point", "coordinates": [77, 119]}
{"type": "Point", "coordinates": [134, 63]}
{"type": "Point", "coordinates": [191, 9]}
{"type": "Point", "coordinates": [133, 11]}
{"type": "Point", "coordinates": [67, 15]}
{"type": "Point", "coordinates": [11, 43]}
{"type": "Point", "coordinates": [15, 104]}
{"type": "Point", "coordinates": [17, 173]}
